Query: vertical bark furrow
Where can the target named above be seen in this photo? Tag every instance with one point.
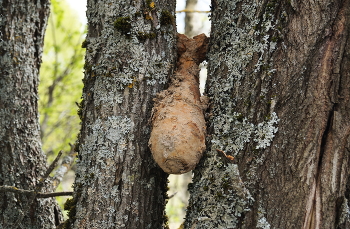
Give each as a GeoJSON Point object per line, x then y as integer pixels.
{"type": "Point", "coordinates": [332, 151]}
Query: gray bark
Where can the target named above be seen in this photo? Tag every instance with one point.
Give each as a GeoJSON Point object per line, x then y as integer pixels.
{"type": "Point", "coordinates": [22, 164]}
{"type": "Point", "coordinates": [130, 56]}
{"type": "Point", "coordinates": [279, 85]}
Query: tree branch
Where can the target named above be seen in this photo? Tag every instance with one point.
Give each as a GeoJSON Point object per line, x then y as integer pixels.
{"type": "Point", "coordinates": [66, 164]}
{"type": "Point", "coordinates": [53, 194]}
{"type": "Point", "coordinates": [32, 192]}
{"type": "Point", "coordinates": [48, 171]}
{"type": "Point", "coordinates": [36, 192]}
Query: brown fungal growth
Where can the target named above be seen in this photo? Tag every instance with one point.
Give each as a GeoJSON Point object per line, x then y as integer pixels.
{"type": "Point", "coordinates": [178, 132]}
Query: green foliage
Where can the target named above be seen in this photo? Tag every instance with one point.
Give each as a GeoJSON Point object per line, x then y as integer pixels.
{"type": "Point", "coordinates": [61, 78]}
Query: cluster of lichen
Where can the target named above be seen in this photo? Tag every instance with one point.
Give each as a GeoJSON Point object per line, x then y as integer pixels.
{"type": "Point", "coordinates": [229, 190]}
{"type": "Point", "coordinates": [84, 44]}
{"type": "Point", "coordinates": [144, 36]}
{"type": "Point", "coordinates": [123, 25]}
{"type": "Point", "coordinates": [150, 4]}
{"type": "Point", "coordinates": [70, 206]}
{"type": "Point", "coordinates": [166, 18]}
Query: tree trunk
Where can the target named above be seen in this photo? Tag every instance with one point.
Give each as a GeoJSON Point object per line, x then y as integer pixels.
{"type": "Point", "coordinates": [191, 21]}
{"type": "Point", "coordinates": [22, 163]}
{"type": "Point", "coordinates": [279, 86]}
{"type": "Point", "coordinates": [130, 54]}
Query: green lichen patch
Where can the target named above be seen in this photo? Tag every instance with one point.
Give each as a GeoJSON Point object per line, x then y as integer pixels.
{"type": "Point", "coordinates": [80, 109]}
{"type": "Point", "coordinates": [87, 68]}
{"type": "Point", "coordinates": [166, 18]}
{"type": "Point", "coordinates": [70, 206]}
{"type": "Point", "coordinates": [84, 44]}
{"type": "Point", "coordinates": [150, 4]}
{"type": "Point", "coordinates": [144, 36]}
{"type": "Point", "coordinates": [123, 25]}
{"type": "Point", "coordinates": [235, 200]}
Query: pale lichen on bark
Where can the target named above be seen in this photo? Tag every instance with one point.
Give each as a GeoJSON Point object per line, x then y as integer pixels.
{"type": "Point", "coordinates": [130, 56]}
{"type": "Point", "coordinates": [278, 67]}
{"type": "Point", "coordinates": [23, 163]}
{"type": "Point", "coordinates": [238, 50]}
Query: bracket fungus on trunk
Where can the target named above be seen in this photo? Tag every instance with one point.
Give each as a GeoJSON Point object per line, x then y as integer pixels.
{"type": "Point", "coordinates": [177, 139]}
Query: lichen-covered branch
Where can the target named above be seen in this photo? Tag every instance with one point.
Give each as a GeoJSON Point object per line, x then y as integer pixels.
{"type": "Point", "coordinates": [63, 168]}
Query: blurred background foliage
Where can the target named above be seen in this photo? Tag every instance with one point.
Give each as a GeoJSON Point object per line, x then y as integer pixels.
{"type": "Point", "coordinates": [61, 76]}
{"type": "Point", "coordinates": [60, 89]}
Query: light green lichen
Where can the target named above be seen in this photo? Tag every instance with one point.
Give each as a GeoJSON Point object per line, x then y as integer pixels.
{"type": "Point", "coordinates": [246, 37]}
{"type": "Point", "coordinates": [240, 51]}
{"type": "Point", "coordinates": [233, 132]}
{"type": "Point", "coordinates": [123, 61]}
{"type": "Point", "coordinates": [265, 131]}
{"type": "Point", "coordinates": [262, 221]}
{"type": "Point", "coordinates": [344, 212]}
{"type": "Point", "coordinates": [223, 186]}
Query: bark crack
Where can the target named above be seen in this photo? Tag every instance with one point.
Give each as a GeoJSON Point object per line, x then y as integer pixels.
{"type": "Point", "coordinates": [329, 75]}
{"type": "Point", "coordinates": [313, 218]}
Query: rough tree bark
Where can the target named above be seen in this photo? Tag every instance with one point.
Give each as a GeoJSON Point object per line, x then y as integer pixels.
{"type": "Point", "coordinates": [22, 163]}
{"type": "Point", "coordinates": [279, 86]}
{"type": "Point", "coordinates": [130, 54]}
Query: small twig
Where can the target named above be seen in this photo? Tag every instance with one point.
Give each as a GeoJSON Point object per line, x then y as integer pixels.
{"type": "Point", "coordinates": [53, 165]}
{"type": "Point", "coordinates": [39, 186]}
{"type": "Point", "coordinates": [32, 192]}
{"type": "Point", "coordinates": [15, 190]}
{"type": "Point", "coordinates": [172, 195]}
{"type": "Point", "coordinates": [53, 194]}
{"type": "Point", "coordinates": [32, 195]}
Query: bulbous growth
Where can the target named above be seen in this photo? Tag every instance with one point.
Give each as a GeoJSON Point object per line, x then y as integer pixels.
{"type": "Point", "coordinates": [177, 139]}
